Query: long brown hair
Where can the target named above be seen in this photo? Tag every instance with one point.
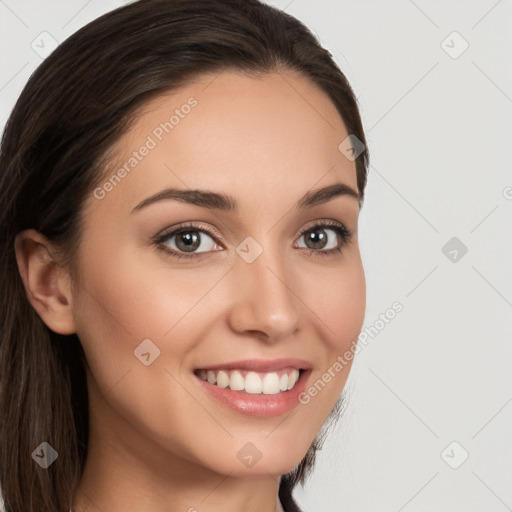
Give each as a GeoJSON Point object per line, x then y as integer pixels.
{"type": "Point", "coordinates": [73, 109]}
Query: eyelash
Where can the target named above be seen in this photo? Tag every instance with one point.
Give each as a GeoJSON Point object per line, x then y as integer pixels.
{"type": "Point", "coordinates": [345, 234]}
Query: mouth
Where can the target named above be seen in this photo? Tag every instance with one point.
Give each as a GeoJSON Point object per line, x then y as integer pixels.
{"type": "Point", "coordinates": [256, 387]}
{"type": "Point", "coordinates": [251, 382]}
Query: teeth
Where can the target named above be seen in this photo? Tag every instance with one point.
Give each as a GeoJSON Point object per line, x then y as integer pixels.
{"type": "Point", "coordinates": [236, 382]}
{"type": "Point", "coordinates": [270, 384]}
{"type": "Point", "coordinates": [254, 383]}
{"type": "Point", "coordinates": [293, 378]}
{"type": "Point", "coordinates": [283, 382]}
{"type": "Point", "coordinates": [222, 380]}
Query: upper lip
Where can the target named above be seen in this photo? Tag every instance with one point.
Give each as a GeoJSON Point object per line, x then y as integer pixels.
{"type": "Point", "coordinates": [261, 365]}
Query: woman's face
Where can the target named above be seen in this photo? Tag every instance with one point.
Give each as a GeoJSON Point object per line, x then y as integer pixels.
{"type": "Point", "coordinates": [242, 289]}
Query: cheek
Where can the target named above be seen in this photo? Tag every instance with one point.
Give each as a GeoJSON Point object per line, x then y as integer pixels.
{"type": "Point", "coordinates": [340, 308]}
{"type": "Point", "coordinates": [135, 297]}
{"type": "Point", "coordinates": [120, 305]}
{"type": "Point", "coordinates": [339, 303]}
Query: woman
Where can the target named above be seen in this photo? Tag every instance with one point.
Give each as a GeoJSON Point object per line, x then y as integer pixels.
{"type": "Point", "coordinates": [181, 184]}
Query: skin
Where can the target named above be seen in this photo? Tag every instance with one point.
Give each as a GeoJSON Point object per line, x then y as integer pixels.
{"type": "Point", "coordinates": [157, 441]}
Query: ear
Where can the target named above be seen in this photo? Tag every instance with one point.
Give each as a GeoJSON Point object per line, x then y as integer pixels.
{"type": "Point", "coordinates": [48, 284]}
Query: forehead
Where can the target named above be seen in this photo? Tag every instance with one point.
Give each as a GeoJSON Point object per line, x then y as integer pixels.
{"type": "Point", "coordinates": [254, 136]}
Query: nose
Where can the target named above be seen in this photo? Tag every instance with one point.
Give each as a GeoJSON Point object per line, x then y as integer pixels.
{"type": "Point", "coordinates": [265, 303]}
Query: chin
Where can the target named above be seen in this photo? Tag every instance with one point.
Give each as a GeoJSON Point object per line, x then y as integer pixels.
{"type": "Point", "coordinates": [260, 457]}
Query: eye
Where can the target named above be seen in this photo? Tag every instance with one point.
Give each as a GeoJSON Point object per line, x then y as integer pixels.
{"type": "Point", "coordinates": [326, 238]}
{"type": "Point", "coordinates": [187, 241]}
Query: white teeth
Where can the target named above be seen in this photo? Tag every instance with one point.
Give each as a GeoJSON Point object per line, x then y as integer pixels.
{"type": "Point", "coordinates": [254, 383]}
{"type": "Point", "coordinates": [236, 382]}
{"type": "Point", "coordinates": [293, 378]}
{"type": "Point", "coordinates": [270, 384]}
{"type": "Point", "coordinates": [222, 379]}
{"type": "Point", "coordinates": [283, 382]}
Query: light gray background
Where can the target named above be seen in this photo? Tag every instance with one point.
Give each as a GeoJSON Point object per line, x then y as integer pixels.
{"type": "Point", "coordinates": [439, 128]}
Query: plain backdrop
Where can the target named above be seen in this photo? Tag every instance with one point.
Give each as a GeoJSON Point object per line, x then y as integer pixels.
{"type": "Point", "coordinates": [428, 421]}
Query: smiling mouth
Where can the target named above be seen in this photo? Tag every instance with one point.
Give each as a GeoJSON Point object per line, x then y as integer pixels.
{"type": "Point", "coordinates": [251, 382]}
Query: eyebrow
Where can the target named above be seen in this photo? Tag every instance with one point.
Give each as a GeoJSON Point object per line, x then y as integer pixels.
{"type": "Point", "coordinates": [220, 201]}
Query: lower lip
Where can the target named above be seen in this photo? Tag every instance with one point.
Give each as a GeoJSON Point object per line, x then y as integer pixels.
{"type": "Point", "coordinates": [258, 404]}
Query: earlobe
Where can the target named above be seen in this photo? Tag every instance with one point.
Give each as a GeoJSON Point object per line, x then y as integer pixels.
{"type": "Point", "coordinates": [46, 282]}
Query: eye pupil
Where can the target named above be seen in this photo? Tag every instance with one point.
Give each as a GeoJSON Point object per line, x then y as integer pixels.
{"type": "Point", "coordinates": [318, 237]}
{"type": "Point", "coordinates": [188, 241]}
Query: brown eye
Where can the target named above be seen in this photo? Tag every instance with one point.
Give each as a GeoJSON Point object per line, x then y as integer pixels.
{"type": "Point", "coordinates": [325, 239]}
{"type": "Point", "coordinates": [189, 241]}
{"type": "Point", "coordinates": [316, 238]}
